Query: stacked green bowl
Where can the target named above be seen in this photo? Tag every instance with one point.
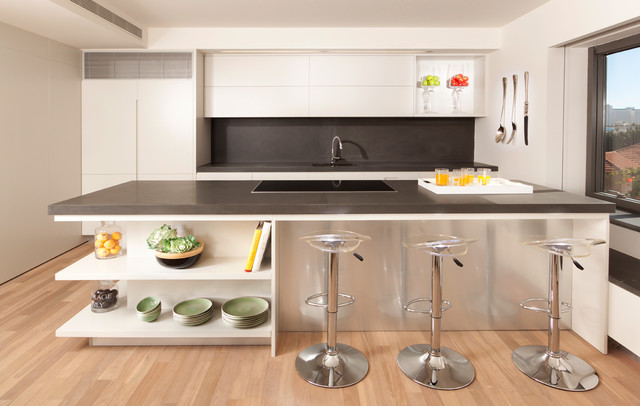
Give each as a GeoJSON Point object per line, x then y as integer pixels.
{"type": "Point", "coordinates": [148, 309]}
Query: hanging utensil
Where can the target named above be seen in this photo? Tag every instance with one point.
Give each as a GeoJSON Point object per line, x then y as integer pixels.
{"type": "Point", "coordinates": [526, 108]}
{"type": "Point", "coordinates": [514, 128]}
{"type": "Point", "coordinates": [501, 132]}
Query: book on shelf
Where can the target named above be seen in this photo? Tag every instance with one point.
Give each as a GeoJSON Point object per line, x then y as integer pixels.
{"type": "Point", "coordinates": [262, 246]}
{"type": "Point", "coordinates": [254, 247]}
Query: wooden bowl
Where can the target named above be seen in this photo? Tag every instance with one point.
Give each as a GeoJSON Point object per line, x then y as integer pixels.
{"type": "Point", "coordinates": [179, 260]}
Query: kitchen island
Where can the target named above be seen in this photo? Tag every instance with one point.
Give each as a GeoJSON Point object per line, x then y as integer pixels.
{"type": "Point", "coordinates": [499, 272]}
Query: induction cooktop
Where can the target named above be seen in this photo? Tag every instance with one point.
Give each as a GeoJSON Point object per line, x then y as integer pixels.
{"type": "Point", "coordinates": [321, 186]}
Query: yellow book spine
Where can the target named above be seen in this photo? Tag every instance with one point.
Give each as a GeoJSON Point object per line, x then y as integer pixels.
{"type": "Point", "coordinates": [254, 248]}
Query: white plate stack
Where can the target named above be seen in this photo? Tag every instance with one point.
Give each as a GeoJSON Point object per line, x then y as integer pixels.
{"type": "Point", "coordinates": [193, 312]}
{"type": "Point", "coordinates": [245, 312]}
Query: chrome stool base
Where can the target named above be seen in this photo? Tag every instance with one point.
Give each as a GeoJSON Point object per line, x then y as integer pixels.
{"type": "Point", "coordinates": [566, 372]}
{"type": "Point", "coordinates": [346, 367]}
{"type": "Point", "coordinates": [448, 371]}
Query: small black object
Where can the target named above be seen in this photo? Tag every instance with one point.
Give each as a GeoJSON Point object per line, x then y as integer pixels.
{"type": "Point", "coordinates": [577, 264]}
{"type": "Point", "coordinates": [355, 254]}
{"type": "Point", "coordinates": [457, 261]}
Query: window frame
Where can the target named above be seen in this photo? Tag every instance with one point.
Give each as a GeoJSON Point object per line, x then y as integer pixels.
{"type": "Point", "coordinates": [596, 93]}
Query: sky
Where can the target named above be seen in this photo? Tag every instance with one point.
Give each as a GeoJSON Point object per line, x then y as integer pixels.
{"type": "Point", "coordinates": [623, 79]}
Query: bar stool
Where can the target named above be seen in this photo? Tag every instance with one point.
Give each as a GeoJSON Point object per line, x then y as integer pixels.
{"type": "Point", "coordinates": [430, 364]}
{"type": "Point", "coordinates": [332, 364]}
{"type": "Point", "coordinates": [548, 364]}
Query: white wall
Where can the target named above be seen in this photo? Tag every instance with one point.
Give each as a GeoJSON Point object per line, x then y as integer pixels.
{"type": "Point", "coordinates": [550, 42]}
{"type": "Point", "coordinates": [40, 137]}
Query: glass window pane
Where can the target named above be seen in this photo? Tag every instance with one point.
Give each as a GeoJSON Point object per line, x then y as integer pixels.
{"type": "Point", "coordinates": [622, 123]}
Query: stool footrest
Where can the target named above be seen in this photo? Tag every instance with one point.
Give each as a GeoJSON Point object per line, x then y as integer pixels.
{"type": "Point", "coordinates": [565, 307]}
{"type": "Point", "coordinates": [408, 308]}
{"type": "Point", "coordinates": [310, 299]}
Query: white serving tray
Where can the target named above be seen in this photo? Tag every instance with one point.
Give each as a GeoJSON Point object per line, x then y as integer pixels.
{"type": "Point", "coordinates": [497, 186]}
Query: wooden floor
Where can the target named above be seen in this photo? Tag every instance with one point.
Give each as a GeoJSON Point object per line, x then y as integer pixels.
{"type": "Point", "coordinates": [36, 368]}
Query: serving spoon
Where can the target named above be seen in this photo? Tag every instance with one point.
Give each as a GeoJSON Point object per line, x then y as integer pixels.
{"type": "Point", "coordinates": [500, 133]}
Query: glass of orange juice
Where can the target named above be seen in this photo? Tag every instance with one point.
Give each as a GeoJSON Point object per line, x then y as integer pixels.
{"type": "Point", "coordinates": [468, 175]}
{"type": "Point", "coordinates": [458, 179]}
{"type": "Point", "coordinates": [484, 176]}
{"type": "Point", "coordinates": [442, 176]}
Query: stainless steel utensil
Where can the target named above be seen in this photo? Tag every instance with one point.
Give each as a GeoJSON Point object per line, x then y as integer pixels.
{"type": "Point", "coordinates": [514, 128]}
{"type": "Point", "coordinates": [500, 133]}
{"type": "Point", "coordinates": [526, 108]}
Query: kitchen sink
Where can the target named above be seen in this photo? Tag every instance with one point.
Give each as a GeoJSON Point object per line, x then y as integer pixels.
{"type": "Point", "coordinates": [338, 163]}
{"type": "Point", "coordinates": [316, 186]}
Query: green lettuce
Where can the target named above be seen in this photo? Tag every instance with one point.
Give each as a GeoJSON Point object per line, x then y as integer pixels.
{"type": "Point", "coordinates": [166, 240]}
{"type": "Point", "coordinates": [159, 236]}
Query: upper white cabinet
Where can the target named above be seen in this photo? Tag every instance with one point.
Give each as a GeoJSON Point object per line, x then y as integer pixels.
{"type": "Point", "coordinates": [256, 70]}
{"type": "Point", "coordinates": [360, 70]}
{"type": "Point", "coordinates": [360, 85]}
{"type": "Point", "coordinates": [256, 86]}
{"type": "Point", "coordinates": [336, 85]}
{"type": "Point", "coordinates": [345, 101]}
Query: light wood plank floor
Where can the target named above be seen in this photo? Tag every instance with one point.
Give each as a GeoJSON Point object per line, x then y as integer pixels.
{"type": "Point", "coordinates": [36, 368]}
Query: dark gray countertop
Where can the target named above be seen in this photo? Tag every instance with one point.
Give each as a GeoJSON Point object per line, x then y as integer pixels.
{"type": "Point", "coordinates": [235, 198]}
{"type": "Point", "coordinates": [358, 166]}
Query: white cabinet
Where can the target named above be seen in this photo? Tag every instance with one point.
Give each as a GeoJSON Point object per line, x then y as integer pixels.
{"type": "Point", "coordinates": [109, 127]}
{"type": "Point", "coordinates": [256, 101]}
{"type": "Point", "coordinates": [256, 86]}
{"type": "Point", "coordinates": [336, 85]}
{"type": "Point", "coordinates": [166, 141]}
{"type": "Point", "coordinates": [360, 101]}
{"type": "Point", "coordinates": [142, 129]}
{"type": "Point", "coordinates": [136, 130]}
{"type": "Point", "coordinates": [361, 70]}
{"type": "Point", "coordinates": [256, 70]}
{"type": "Point", "coordinates": [361, 85]}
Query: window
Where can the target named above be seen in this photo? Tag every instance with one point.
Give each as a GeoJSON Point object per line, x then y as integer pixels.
{"type": "Point", "coordinates": [613, 162]}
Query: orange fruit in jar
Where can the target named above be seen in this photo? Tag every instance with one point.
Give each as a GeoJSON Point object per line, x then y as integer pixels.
{"type": "Point", "coordinates": [116, 235]}
{"type": "Point", "coordinates": [102, 237]}
{"type": "Point", "coordinates": [109, 244]}
{"type": "Point", "coordinates": [115, 250]}
{"type": "Point", "coordinates": [98, 244]}
{"type": "Point", "coordinates": [102, 252]}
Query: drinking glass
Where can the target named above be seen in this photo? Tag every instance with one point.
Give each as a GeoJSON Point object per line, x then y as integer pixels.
{"type": "Point", "coordinates": [484, 176]}
{"type": "Point", "coordinates": [442, 176]}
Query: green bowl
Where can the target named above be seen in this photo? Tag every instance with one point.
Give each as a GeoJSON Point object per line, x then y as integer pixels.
{"type": "Point", "coordinates": [148, 305]}
{"type": "Point", "coordinates": [149, 317]}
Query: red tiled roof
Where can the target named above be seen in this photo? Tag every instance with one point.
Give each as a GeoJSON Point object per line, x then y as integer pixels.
{"type": "Point", "coordinates": [624, 158]}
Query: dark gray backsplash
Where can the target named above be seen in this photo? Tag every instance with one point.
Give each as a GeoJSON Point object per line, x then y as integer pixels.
{"type": "Point", "coordinates": [271, 140]}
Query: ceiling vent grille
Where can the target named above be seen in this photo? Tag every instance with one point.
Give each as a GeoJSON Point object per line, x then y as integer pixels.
{"type": "Point", "coordinates": [109, 16]}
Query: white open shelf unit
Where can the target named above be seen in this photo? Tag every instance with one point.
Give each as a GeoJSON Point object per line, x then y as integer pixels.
{"type": "Point", "coordinates": [218, 275]}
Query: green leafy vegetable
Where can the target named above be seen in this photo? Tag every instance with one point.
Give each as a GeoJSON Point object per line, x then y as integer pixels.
{"type": "Point", "coordinates": [165, 239]}
{"type": "Point", "coordinates": [158, 236]}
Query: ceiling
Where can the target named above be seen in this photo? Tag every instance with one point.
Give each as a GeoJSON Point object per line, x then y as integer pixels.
{"type": "Point", "coordinates": [65, 22]}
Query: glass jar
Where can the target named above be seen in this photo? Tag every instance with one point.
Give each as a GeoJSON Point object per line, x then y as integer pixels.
{"type": "Point", "coordinates": [104, 296]}
{"type": "Point", "coordinates": [108, 240]}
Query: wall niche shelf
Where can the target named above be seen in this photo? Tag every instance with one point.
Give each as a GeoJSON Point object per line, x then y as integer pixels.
{"type": "Point", "coordinates": [471, 97]}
